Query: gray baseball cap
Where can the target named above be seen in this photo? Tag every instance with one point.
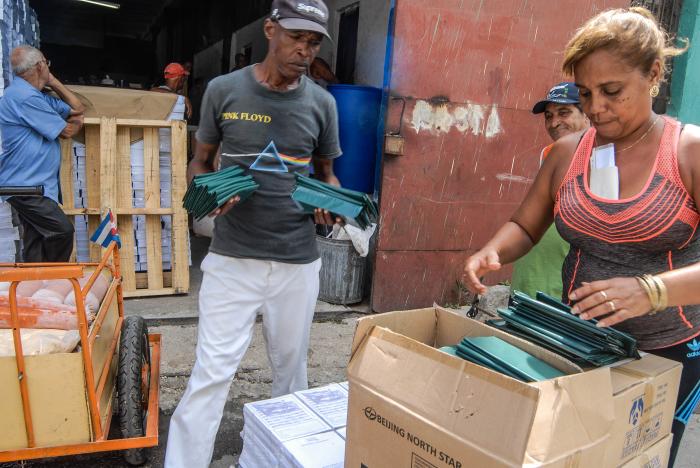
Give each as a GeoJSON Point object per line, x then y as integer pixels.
{"type": "Point", "coordinates": [302, 15]}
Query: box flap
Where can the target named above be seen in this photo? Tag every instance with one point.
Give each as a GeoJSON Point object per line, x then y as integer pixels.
{"type": "Point", "coordinates": [418, 324]}
{"type": "Point", "coordinates": [622, 381]}
{"type": "Point", "coordinates": [650, 366]}
{"type": "Point", "coordinates": [100, 101]}
{"type": "Point", "coordinates": [630, 373]}
{"type": "Point", "coordinates": [471, 402]}
{"type": "Point", "coordinates": [575, 411]}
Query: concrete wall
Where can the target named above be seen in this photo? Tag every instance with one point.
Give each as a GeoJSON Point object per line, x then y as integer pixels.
{"type": "Point", "coordinates": [685, 85]}
{"type": "Point", "coordinates": [207, 63]}
{"type": "Point", "coordinates": [251, 34]}
{"type": "Point", "coordinates": [371, 42]}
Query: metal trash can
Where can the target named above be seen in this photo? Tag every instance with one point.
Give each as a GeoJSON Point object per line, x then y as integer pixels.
{"type": "Point", "coordinates": [342, 272]}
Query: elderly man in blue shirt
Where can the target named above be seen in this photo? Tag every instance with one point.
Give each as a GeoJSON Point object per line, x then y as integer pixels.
{"type": "Point", "coordinates": [30, 124]}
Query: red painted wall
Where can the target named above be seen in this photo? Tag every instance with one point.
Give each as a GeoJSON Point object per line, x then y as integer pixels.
{"type": "Point", "coordinates": [469, 72]}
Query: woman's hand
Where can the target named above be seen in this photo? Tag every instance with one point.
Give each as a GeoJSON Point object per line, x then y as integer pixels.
{"type": "Point", "coordinates": [618, 299]}
{"type": "Point", "coordinates": [482, 262]}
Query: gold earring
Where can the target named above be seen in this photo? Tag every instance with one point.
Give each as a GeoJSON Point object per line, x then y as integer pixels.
{"type": "Point", "coordinates": [654, 91]}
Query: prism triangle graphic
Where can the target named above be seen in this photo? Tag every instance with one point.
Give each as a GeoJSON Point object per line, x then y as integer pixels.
{"type": "Point", "coordinates": [269, 160]}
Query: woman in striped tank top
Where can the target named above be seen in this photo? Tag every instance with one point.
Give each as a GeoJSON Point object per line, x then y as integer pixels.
{"type": "Point", "coordinates": [634, 260]}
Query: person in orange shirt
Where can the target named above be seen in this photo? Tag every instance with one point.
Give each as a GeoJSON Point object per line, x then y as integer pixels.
{"type": "Point", "coordinates": [175, 77]}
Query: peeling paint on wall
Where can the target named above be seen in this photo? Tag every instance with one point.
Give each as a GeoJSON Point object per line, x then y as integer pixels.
{"type": "Point", "coordinates": [441, 118]}
{"type": "Point", "coordinates": [504, 176]}
{"type": "Point", "coordinates": [493, 126]}
{"type": "Point", "coordinates": [469, 118]}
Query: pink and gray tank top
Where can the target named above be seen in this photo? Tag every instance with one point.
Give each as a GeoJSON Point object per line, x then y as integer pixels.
{"type": "Point", "coordinates": [652, 232]}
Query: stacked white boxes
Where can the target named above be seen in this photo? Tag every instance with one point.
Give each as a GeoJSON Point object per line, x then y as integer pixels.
{"type": "Point", "coordinates": [82, 235]}
{"type": "Point", "coordinates": [165, 166]}
{"type": "Point", "coordinates": [139, 201]}
{"type": "Point", "coordinates": [138, 191]}
{"type": "Point", "coordinates": [137, 180]}
{"type": "Point", "coordinates": [9, 234]}
{"type": "Point", "coordinates": [302, 430]}
{"type": "Point", "coordinates": [18, 25]}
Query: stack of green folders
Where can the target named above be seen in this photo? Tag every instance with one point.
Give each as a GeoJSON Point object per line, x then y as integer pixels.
{"type": "Point", "coordinates": [356, 208]}
{"type": "Point", "coordinates": [210, 191]}
{"type": "Point", "coordinates": [501, 356]}
{"type": "Point", "coordinates": [550, 324]}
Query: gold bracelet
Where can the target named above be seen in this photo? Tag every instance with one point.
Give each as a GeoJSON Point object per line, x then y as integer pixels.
{"type": "Point", "coordinates": [642, 282]}
{"type": "Point", "coordinates": [655, 293]}
{"type": "Point", "coordinates": [650, 289]}
{"type": "Point", "coordinates": [663, 292]}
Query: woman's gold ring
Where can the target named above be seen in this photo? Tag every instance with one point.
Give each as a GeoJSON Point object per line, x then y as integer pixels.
{"type": "Point", "coordinates": [612, 306]}
{"type": "Point", "coordinates": [605, 295]}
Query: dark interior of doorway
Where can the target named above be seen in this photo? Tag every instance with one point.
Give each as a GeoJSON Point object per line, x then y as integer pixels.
{"type": "Point", "coordinates": [347, 44]}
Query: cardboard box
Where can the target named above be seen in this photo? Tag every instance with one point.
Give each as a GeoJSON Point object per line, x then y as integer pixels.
{"type": "Point", "coordinates": [656, 456]}
{"type": "Point", "coordinates": [645, 393]}
{"type": "Point", "coordinates": [57, 392]}
{"type": "Point", "coordinates": [412, 405]}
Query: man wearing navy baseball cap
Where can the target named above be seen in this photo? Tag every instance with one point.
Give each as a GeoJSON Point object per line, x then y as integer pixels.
{"type": "Point", "coordinates": [272, 121]}
{"type": "Point", "coordinates": [562, 111]}
{"type": "Point", "coordinates": [304, 15]}
{"type": "Point", "coordinates": [540, 269]}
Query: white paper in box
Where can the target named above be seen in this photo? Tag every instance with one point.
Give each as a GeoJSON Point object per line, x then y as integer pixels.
{"type": "Point", "coordinates": [255, 452]}
{"type": "Point", "coordinates": [286, 417]}
{"type": "Point", "coordinates": [325, 450]}
{"type": "Point", "coordinates": [329, 402]}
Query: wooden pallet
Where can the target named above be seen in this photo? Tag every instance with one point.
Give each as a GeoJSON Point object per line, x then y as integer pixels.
{"type": "Point", "coordinates": [108, 174]}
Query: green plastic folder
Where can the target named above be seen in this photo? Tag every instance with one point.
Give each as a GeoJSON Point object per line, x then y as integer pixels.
{"type": "Point", "coordinates": [502, 357]}
{"type": "Point", "coordinates": [208, 192]}
{"type": "Point", "coordinates": [449, 350]}
{"type": "Point", "coordinates": [550, 323]}
{"type": "Point", "coordinates": [503, 326]}
{"type": "Point", "coordinates": [356, 208]}
{"type": "Point", "coordinates": [513, 358]}
{"type": "Point", "coordinates": [471, 355]}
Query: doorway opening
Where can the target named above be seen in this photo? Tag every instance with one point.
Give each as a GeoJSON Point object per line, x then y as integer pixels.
{"type": "Point", "coordinates": [347, 44]}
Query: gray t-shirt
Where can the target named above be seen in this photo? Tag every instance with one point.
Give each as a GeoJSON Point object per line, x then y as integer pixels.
{"type": "Point", "coordinates": [273, 135]}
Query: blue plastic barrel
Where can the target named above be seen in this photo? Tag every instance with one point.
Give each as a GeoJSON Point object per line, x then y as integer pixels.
{"type": "Point", "coordinates": [358, 118]}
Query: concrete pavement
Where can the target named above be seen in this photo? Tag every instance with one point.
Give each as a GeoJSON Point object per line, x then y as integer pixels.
{"type": "Point", "coordinates": [328, 356]}
{"type": "Point", "coordinates": [330, 345]}
{"type": "Point", "coordinates": [175, 319]}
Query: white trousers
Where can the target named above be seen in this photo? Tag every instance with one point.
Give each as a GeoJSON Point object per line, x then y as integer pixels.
{"type": "Point", "coordinates": [233, 291]}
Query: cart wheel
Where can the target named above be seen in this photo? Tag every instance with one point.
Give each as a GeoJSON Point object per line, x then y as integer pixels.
{"type": "Point", "coordinates": [133, 383]}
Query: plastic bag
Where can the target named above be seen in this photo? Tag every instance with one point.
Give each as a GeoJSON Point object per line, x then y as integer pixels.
{"type": "Point", "coordinates": [359, 237]}
{"type": "Point", "coordinates": [36, 342]}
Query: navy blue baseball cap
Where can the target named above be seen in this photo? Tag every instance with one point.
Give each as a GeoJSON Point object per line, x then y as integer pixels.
{"type": "Point", "coordinates": [565, 92]}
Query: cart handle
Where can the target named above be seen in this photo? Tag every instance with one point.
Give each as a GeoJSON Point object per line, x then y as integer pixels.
{"type": "Point", "coordinates": [41, 273]}
{"type": "Point", "coordinates": [34, 191]}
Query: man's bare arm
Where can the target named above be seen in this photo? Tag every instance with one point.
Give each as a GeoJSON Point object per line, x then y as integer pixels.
{"type": "Point", "coordinates": [203, 161]}
{"type": "Point", "coordinates": [66, 95]}
{"type": "Point", "coordinates": [323, 168]}
{"type": "Point", "coordinates": [73, 126]}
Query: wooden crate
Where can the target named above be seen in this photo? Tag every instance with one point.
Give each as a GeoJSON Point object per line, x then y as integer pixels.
{"type": "Point", "coordinates": [108, 174]}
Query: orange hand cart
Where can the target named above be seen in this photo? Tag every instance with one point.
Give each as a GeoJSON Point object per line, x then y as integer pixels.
{"type": "Point", "coordinates": [62, 404]}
